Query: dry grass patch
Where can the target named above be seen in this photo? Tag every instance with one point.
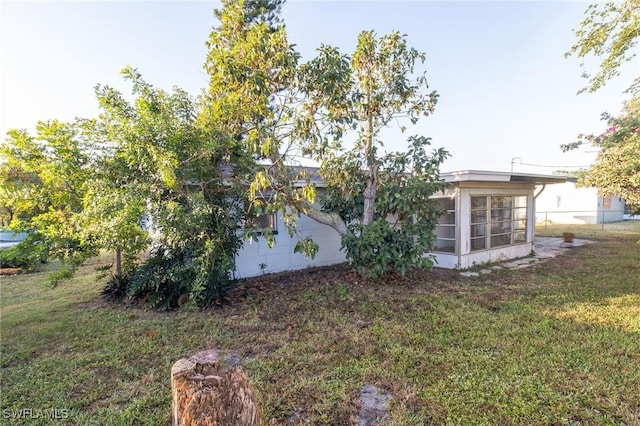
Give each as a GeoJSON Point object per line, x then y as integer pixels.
{"type": "Point", "coordinates": [552, 343]}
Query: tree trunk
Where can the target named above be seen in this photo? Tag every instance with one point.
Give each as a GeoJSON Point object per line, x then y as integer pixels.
{"type": "Point", "coordinates": [204, 394]}
{"type": "Point", "coordinates": [370, 191]}
{"type": "Point", "coordinates": [118, 263]}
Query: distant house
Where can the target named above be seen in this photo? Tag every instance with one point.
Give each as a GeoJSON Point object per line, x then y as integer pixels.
{"type": "Point", "coordinates": [489, 217]}
{"type": "Point", "coordinates": [565, 203]}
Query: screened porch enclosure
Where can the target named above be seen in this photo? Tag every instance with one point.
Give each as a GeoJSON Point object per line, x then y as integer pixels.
{"type": "Point", "coordinates": [487, 217]}
{"type": "Point", "coordinates": [498, 220]}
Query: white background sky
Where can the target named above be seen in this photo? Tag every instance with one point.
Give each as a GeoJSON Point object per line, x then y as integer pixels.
{"type": "Point", "coordinates": [505, 88]}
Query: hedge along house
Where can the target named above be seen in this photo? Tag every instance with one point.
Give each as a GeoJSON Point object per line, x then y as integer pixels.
{"type": "Point", "coordinates": [489, 217]}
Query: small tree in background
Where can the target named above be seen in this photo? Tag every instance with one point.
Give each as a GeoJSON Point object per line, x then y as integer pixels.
{"type": "Point", "coordinates": [55, 168]}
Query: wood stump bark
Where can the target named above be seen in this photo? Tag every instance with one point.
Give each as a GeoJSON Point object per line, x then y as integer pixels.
{"type": "Point", "coordinates": [204, 394]}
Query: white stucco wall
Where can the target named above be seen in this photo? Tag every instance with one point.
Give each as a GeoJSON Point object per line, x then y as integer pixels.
{"type": "Point", "coordinates": [282, 258]}
{"type": "Point", "coordinates": [614, 212]}
{"type": "Point", "coordinates": [564, 203]}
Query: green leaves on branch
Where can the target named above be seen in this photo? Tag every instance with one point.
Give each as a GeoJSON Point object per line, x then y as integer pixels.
{"type": "Point", "coordinates": [45, 187]}
{"type": "Point", "coordinates": [163, 166]}
{"type": "Point", "coordinates": [609, 32]}
{"type": "Point", "coordinates": [89, 185]}
{"type": "Point", "coordinates": [617, 168]}
{"type": "Point", "coordinates": [280, 110]}
{"type": "Point", "coordinates": [405, 217]}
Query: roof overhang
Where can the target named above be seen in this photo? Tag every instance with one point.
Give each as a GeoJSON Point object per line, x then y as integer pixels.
{"type": "Point", "coordinates": [489, 176]}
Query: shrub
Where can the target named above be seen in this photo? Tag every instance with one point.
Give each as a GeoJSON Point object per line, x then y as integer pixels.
{"type": "Point", "coordinates": [28, 253]}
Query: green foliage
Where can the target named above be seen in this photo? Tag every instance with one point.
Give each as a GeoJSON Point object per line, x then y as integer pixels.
{"type": "Point", "coordinates": [45, 189]}
{"type": "Point", "coordinates": [610, 32]}
{"type": "Point", "coordinates": [256, 11]}
{"type": "Point", "coordinates": [278, 109]}
{"type": "Point", "coordinates": [88, 185]}
{"type": "Point", "coordinates": [169, 280]}
{"type": "Point", "coordinates": [402, 230]}
{"type": "Point", "coordinates": [383, 197]}
{"type": "Point", "coordinates": [26, 254]}
{"type": "Point", "coordinates": [160, 163]}
{"type": "Point", "coordinates": [16, 193]}
{"type": "Point", "coordinates": [617, 168]}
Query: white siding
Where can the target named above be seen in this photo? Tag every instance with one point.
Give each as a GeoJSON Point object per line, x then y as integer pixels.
{"type": "Point", "coordinates": [564, 203]}
{"type": "Point", "coordinates": [256, 258]}
{"type": "Point", "coordinates": [446, 260]}
{"type": "Point", "coordinates": [282, 258]}
{"type": "Point", "coordinates": [476, 258]}
{"type": "Point", "coordinates": [614, 212]}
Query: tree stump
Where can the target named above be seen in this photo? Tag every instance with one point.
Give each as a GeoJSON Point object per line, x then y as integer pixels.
{"type": "Point", "coordinates": [203, 394]}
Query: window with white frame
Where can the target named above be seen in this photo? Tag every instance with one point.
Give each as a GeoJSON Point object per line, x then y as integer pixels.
{"type": "Point", "coordinates": [445, 230]}
{"type": "Point", "coordinates": [498, 220]}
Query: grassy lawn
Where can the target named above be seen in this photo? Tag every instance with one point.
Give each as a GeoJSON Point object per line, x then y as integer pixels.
{"type": "Point", "coordinates": [624, 229]}
{"type": "Point", "coordinates": [557, 342]}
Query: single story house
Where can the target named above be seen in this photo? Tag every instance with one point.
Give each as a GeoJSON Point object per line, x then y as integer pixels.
{"type": "Point", "coordinates": [565, 203]}
{"type": "Point", "coordinates": [490, 216]}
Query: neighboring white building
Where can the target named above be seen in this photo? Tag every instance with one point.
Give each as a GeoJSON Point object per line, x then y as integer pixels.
{"type": "Point", "coordinates": [10, 238]}
{"type": "Point", "coordinates": [490, 217]}
{"type": "Point", "coordinates": [565, 203]}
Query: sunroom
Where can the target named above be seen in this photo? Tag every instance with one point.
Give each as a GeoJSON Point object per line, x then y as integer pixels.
{"type": "Point", "coordinates": [489, 217]}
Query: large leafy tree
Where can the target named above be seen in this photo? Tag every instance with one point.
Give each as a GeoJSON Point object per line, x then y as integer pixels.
{"type": "Point", "coordinates": [617, 169]}
{"type": "Point", "coordinates": [280, 110]}
{"type": "Point", "coordinates": [609, 32]}
{"type": "Point", "coordinates": [157, 161]}
{"type": "Point", "coordinates": [143, 170]}
{"type": "Point", "coordinates": [390, 226]}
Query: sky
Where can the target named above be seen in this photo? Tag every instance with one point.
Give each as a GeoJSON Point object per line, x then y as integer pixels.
{"type": "Point", "coordinates": [508, 96]}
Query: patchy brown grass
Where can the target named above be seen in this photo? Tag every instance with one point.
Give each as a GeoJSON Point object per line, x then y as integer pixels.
{"type": "Point", "coordinates": [556, 342]}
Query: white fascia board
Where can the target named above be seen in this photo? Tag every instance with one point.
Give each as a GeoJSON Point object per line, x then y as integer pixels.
{"type": "Point", "coordinates": [490, 176]}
